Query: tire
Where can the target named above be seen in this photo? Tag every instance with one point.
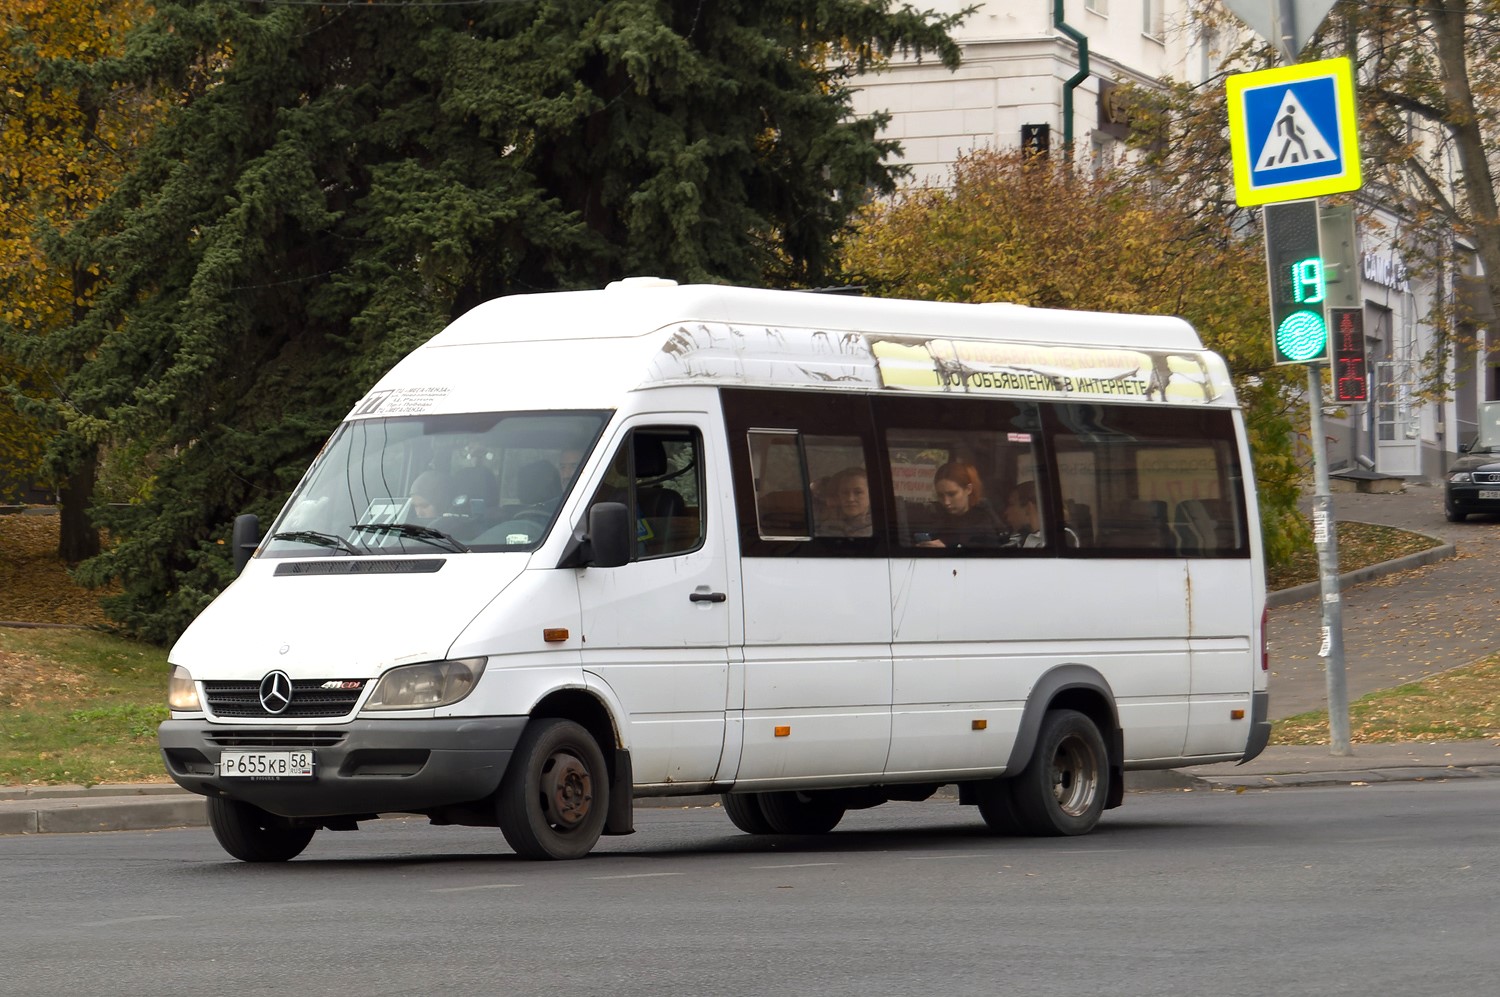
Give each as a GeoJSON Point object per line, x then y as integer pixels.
{"type": "Point", "coordinates": [1453, 515]}
{"type": "Point", "coordinates": [801, 813]}
{"type": "Point", "coordinates": [251, 834]}
{"type": "Point", "coordinates": [1062, 789]}
{"type": "Point", "coordinates": [554, 797]}
{"type": "Point", "coordinates": [745, 812]}
{"type": "Point", "coordinates": [997, 806]}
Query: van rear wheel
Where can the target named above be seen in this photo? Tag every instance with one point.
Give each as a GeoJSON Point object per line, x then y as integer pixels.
{"type": "Point", "coordinates": [745, 813]}
{"type": "Point", "coordinates": [1062, 790]}
{"type": "Point", "coordinates": [801, 813]}
{"type": "Point", "coordinates": [250, 834]}
{"type": "Point", "coordinates": [554, 797]}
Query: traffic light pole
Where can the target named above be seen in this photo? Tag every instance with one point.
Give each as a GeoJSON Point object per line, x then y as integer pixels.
{"type": "Point", "coordinates": [1326, 539]}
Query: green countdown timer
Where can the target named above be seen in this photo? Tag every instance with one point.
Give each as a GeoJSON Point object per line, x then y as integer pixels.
{"type": "Point", "coordinates": [1302, 335]}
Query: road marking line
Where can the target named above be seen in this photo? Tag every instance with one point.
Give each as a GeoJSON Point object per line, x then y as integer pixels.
{"type": "Point", "coordinates": [468, 889]}
{"type": "Point", "coordinates": [798, 865]}
{"type": "Point", "coordinates": [131, 920]}
{"type": "Point", "coordinates": [935, 858]}
{"type": "Point", "coordinates": [641, 875]}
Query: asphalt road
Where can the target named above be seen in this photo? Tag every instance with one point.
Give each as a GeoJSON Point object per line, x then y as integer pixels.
{"type": "Point", "coordinates": [1353, 890]}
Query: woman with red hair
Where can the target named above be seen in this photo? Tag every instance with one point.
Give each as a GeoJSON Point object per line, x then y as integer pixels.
{"type": "Point", "coordinates": [963, 517]}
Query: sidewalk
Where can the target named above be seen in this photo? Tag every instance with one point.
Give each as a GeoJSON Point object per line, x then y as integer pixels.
{"type": "Point", "coordinates": [1402, 620]}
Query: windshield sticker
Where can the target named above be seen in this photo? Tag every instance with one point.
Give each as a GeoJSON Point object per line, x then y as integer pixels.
{"type": "Point", "coordinates": [399, 401]}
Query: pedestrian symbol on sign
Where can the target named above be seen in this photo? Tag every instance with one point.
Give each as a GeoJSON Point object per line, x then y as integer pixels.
{"type": "Point", "coordinates": [1295, 140]}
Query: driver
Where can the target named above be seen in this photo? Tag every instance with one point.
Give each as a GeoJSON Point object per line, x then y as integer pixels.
{"type": "Point", "coordinates": [431, 495]}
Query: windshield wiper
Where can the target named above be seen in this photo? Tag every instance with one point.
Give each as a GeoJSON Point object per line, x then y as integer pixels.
{"type": "Point", "coordinates": [318, 540]}
{"type": "Point", "coordinates": [413, 531]}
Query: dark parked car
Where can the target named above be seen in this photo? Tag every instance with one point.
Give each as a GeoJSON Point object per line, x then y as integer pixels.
{"type": "Point", "coordinates": [1474, 479]}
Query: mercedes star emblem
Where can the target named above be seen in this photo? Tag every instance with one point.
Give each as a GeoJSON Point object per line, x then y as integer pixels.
{"type": "Point", "coordinates": [275, 692]}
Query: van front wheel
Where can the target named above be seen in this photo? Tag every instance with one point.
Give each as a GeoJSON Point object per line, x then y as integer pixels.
{"type": "Point", "coordinates": [251, 834]}
{"type": "Point", "coordinates": [555, 795]}
{"type": "Point", "coordinates": [1062, 790]}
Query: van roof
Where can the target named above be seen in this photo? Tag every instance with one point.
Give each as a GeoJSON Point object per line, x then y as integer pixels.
{"type": "Point", "coordinates": [642, 305]}
{"type": "Point", "coordinates": [587, 349]}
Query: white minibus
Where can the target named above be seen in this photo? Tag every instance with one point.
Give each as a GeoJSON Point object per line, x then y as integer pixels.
{"type": "Point", "coordinates": [810, 552]}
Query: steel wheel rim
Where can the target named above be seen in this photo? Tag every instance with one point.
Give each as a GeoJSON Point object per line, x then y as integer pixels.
{"type": "Point", "coordinates": [1075, 776]}
{"type": "Point", "coordinates": [567, 790]}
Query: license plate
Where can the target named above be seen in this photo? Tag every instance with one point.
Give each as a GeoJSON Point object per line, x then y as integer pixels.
{"type": "Point", "coordinates": [1489, 494]}
{"type": "Point", "coordinates": [266, 765]}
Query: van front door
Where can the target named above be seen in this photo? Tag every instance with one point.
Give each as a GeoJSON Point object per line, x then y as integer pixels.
{"type": "Point", "coordinates": [657, 630]}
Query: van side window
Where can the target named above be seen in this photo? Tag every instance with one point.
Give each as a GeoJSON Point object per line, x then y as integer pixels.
{"type": "Point", "coordinates": [783, 497]}
{"type": "Point", "coordinates": [1153, 483]}
{"type": "Point", "coordinates": [658, 474]}
{"type": "Point", "coordinates": [805, 481]}
{"type": "Point", "coordinates": [809, 485]}
{"type": "Point", "coordinates": [960, 470]}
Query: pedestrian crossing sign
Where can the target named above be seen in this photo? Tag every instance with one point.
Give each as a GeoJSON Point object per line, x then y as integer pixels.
{"type": "Point", "coordinates": [1292, 132]}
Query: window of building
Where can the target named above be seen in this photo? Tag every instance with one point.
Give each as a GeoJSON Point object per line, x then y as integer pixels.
{"type": "Point", "coordinates": [1152, 18]}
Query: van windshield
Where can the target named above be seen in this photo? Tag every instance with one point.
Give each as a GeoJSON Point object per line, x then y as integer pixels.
{"type": "Point", "coordinates": [436, 483]}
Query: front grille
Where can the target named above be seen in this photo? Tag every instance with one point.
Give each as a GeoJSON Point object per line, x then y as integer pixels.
{"type": "Point", "coordinates": [309, 699]}
{"type": "Point", "coordinates": [1487, 477]}
{"type": "Point", "coordinates": [274, 738]}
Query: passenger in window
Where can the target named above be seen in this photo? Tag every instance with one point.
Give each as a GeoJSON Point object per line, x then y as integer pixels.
{"type": "Point", "coordinates": [963, 517]}
{"type": "Point", "coordinates": [1024, 517]}
{"type": "Point", "coordinates": [848, 505]}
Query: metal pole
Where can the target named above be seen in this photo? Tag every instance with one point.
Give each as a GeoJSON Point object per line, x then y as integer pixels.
{"type": "Point", "coordinates": [1284, 29]}
{"type": "Point", "coordinates": [1326, 539]}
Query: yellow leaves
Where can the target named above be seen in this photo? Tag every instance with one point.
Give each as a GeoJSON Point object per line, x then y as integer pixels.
{"type": "Point", "coordinates": [61, 151]}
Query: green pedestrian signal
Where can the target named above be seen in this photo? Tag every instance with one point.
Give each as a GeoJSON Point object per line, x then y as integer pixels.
{"type": "Point", "coordinates": [1298, 282]}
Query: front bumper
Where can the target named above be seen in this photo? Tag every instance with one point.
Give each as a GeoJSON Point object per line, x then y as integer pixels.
{"type": "Point", "coordinates": [1465, 497]}
{"type": "Point", "coordinates": [363, 767]}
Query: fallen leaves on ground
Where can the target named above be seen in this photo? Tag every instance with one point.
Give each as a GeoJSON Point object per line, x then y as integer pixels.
{"type": "Point", "coordinates": [1359, 546]}
{"type": "Point", "coordinates": [35, 586]}
{"type": "Point", "coordinates": [1455, 705]}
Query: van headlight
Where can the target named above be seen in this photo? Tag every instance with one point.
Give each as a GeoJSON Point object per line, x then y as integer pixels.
{"type": "Point", "coordinates": [182, 691]}
{"type": "Point", "coordinates": [430, 684]}
{"type": "Point", "coordinates": [1460, 477]}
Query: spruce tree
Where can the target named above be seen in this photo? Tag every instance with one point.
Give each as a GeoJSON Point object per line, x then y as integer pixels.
{"type": "Point", "coordinates": [340, 181]}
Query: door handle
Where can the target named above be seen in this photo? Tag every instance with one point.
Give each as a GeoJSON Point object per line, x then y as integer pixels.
{"type": "Point", "coordinates": [707, 597]}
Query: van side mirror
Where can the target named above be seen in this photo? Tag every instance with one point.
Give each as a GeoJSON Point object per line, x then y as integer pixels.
{"type": "Point", "coordinates": [1466, 447]}
{"type": "Point", "coordinates": [244, 539]}
{"type": "Point", "coordinates": [610, 537]}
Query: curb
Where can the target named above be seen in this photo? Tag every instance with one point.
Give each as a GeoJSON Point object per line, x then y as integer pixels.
{"type": "Point", "coordinates": [1312, 590]}
{"type": "Point", "coordinates": [102, 813]}
{"type": "Point", "coordinates": [1418, 773]}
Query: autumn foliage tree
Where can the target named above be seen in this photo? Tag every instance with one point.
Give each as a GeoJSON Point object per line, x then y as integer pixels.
{"type": "Point", "coordinates": [1428, 98]}
{"type": "Point", "coordinates": [1036, 232]}
{"type": "Point", "coordinates": [66, 139]}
